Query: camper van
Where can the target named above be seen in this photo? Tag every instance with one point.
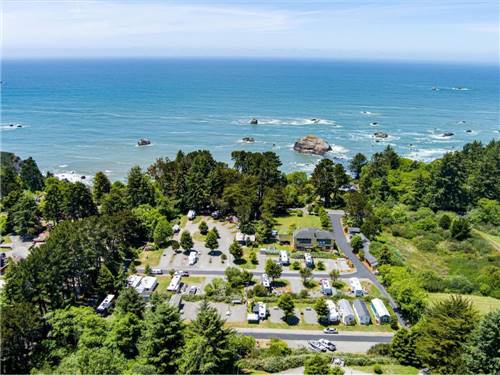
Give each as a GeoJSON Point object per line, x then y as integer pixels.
{"type": "Point", "coordinates": [105, 304]}
{"type": "Point", "coordinates": [193, 257]}
{"type": "Point", "coordinates": [284, 259]}
{"type": "Point", "coordinates": [265, 280]}
{"type": "Point", "coordinates": [191, 214]}
{"type": "Point", "coordinates": [326, 288]}
{"type": "Point", "coordinates": [309, 260]}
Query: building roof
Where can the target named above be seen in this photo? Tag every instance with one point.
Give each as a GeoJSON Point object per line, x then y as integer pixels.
{"type": "Point", "coordinates": [345, 307]}
{"type": "Point", "coordinates": [313, 233]}
{"type": "Point", "coordinates": [134, 280]}
{"type": "Point", "coordinates": [355, 283]}
{"type": "Point", "coordinates": [379, 307]}
{"type": "Point", "coordinates": [360, 308]}
{"type": "Point", "coordinates": [147, 283]}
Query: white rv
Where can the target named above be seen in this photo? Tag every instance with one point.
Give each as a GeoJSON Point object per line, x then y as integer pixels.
{"type": "Point", "coordinates": [309, 260]}
{"type": "Point", "coordinates": [106, 303]}
{"type": "Point", "coordinates": [333, 313]}
{"type": "Point", "coordinates": [193, 257]}
{"type": "Point", "coordinates": [356, 287]}
{"type": "Point", "coordinates": [175, 283]}
{"type": "Point", "coordinates": [326, 288]}
{"type": "Point", "coordinates": [191, 214]}
{"type": "Point", "coordinates": [262, 310]}
{"type": "Point", "coordinates": [265, 280]}
{"type": "Point", "coordinates": [284, 259]}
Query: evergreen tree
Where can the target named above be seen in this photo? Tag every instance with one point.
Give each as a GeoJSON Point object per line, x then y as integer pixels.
{"type": "Point", "coordinates": [198, 357]}
{"type": "Point", "coordinates": [163, 231]}
{"type": "Point", "coordinates": [443, 333]}
{"type": "Point", "coordinates": [460, 228]}
{"type": "Point", "coordinates": [211, 241]}
{"type": "Point", "coordinates": [273, 269]}
{"type": "Point", "coordinates": [139, 188]}
{"type": "Point", "coordinates": [285, 303]}
{"type": "Point", "coordinates": [54, 202]}
{"type": "Point", "coordinates": [323, 179]}
{"type": "Point", "coordinates": [445, 222]}
{"type": "Point", "coordinates": [31, 175]}
{"type": "Point", "coordinates": [79, 202]}
{"type": "Point", "coordinates": [115, 201]}
{"type": "Point", "coordinates": [102, 186]}
{"type": "Point", "coordinates": [162, 339]}
{"type": "Point", "coordinates": [203, 228]}
{"type": "Point", "coordinates": [186, 241]}
{"type": "Point", "coordinates": [403, 347]}
{"type": "Point", "coordinates": [482, 353]}
{"type": "Point", "coordinates": [24, 216]}
{"type": "Point", "coordinates": [105, 281]}
{"type": "Point", "coordinates": [357, 163]}
{"type": "Point", "coordinates": [447, 190]}
{"type": "Point", "coordinates": [124, 335]}
{"type": "Point", "coordinates": [236, 250]}
{"type": "Point", "coordinates": [356, 243]}
{"type": "Point", "coordinates": [8, 181]}
{"type": "Point", "coordinates": [93, 361]}
{"type": "Point", "coordinates": [129, 301]}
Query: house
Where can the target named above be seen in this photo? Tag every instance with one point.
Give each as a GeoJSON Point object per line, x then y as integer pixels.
{"type": "Point", "coordinates": [326, 288]}
{"type": "Point", "coordinates": [176, 301]}
{"type": "Point", "coordinates": [193, 257]}
{"type": "Point", "coordinates": [284, 259]}
{"type": "Point", "coordinates": [105, 304]}
{"type": "Point", "coordinates": [346, 312]}
{"type": "Point", "coordinates": [284, 239]}
{"type": "Point", "coordinates": [175, 283]}
{"type": "Point", "coordinates": [333, 314]}
{"type": "Point", "coordinates": [265, 280]}
{"type": "Point", "coordinates": [308, 238]}
{"type": "Point", "coordinates": [356, 287]}
{"type": "Point", "coordinates": [308, 260]}
{"type": "Point", "coordinates": [361, 312]}
{"type": "Point", "coordinates": [147, 286]}
{"type": "Point", "coordinates": [380, 311]}
{"type": "Point", "coordinates": [243, 239]}
{"type": "Point", "coordinates": [191, 214]}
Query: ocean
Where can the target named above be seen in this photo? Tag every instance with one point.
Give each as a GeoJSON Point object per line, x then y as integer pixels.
{"type": "Point", "coordinates": [83, 116]}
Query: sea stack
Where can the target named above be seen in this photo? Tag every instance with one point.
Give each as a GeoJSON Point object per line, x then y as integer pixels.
{"type": "Point", "coordinates": [143, 142]}
{"type": "Point", "coordinates": [448, 134]}
{"type": "Point", "coordinates": [254, 121]}
{"type": "Point", "coordinates": [380, 135]}
{"type": "Point", "coordinates": [312, 144]}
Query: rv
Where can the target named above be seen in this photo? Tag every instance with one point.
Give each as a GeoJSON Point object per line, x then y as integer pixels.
{"type": "Point", "coordinates": [265, 280]}
{"type": "Point", "coordinates": [356, 287]}
{"type": "Point", "coordinates": [284, 260]}
{"type": "Point", "coordinates": [175, 283]}
{"type": "Point", "coordinates": [309, 260]}
{"type": "Point", "coordinates": [333, 314]}
{"type": "Point", "coordinates": [193, 257]}
{"type": "Point", "coordinates": [262, 310]}
{"type": "Point", "coordinates": [191, 214]}
{"type": "Point", "coordinates": [147, 286]}
{"type": "Point", "coordinates": [105, 304]}
{"type": "Point", "coordinates": [326, 288]}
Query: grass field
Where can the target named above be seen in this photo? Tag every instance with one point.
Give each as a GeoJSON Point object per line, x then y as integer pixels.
{"type": "Point", "coordinates": [388, 369]}
{"type": "Point", "coordinates": [492, 239]}
{"type": "Point", "coordinates": [150, 257]}
{"type": "Point", "coordinates": [163, 282]}
{"type": "Point", "coordinates": [285, 222]}
{"type": "Point", "coordinates": [483, 304]}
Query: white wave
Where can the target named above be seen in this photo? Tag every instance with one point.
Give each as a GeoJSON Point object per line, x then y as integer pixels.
{"type": "Point", "coordinates": [427, 155]}
{"type": "Point", "coordinates": [339, 149]}
{"type": "Point", "coordinates": [289, 121]}
{"type": "Point", "coordinates": [63, 166]}
{"type": "Point", "coordinates": [72, 176]}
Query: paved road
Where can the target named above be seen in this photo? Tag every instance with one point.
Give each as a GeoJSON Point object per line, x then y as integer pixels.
{"type": "Point", "coordinates": [361, 270]}
{"type": "Point", "coordinates": [289, 334]}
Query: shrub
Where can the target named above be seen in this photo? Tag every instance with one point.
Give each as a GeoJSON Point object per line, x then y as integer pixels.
{"type": "Point", "coordinates": [460, 228]}
{"type": "Point", "coordinates": [431, 281]}
{"type": "Point", "coordinates": [300, 213]}
{"type": "Point", "coordinates": [377, 369]}
{"type": "Point", "coordinates": [425, 244]}
{"type": "Point", "coordinates": [295, 265]}
{"type": "Point", "coordinates": [445, 221]}
{"type": "Point", "coordinates": [380, 349]}
{"type": "Point", "coordinates": [321, 266]}
{"type": "Point", "coordinates": [203, 228]}
{"type": "Point", "coordinates": [459, 284]}
{"type": "Point", "coordinates": [260, 290]}
{"type": "Point", "coordinates": [356, 243]}
{"type": "Point", "coordinates": [403, 230]}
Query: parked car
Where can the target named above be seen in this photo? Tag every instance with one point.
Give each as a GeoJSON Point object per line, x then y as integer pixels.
{"type": "Point", "coordinates": [193, 290]}
{"type": "Point", "coordinates": [330, 330]}
{"type": "Point", "coordinates": [182, 273]}
{"type": "Point", "coordinates": [328, 344]}
{"type": "Point", "coordinates": [338, 362]}
{"type": "Point", "coordinates": [316, 346]}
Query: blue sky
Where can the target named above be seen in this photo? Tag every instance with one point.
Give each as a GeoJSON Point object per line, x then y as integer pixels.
{"type": "Point", "coordinates": [434, 30]}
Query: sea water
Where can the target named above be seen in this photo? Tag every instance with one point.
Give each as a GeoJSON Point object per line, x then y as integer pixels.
{"type": "Point", "coordinates": [87, 115]}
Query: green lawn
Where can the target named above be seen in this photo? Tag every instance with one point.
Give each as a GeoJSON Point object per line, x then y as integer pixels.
{"type": "Point", "coordinates": [193, 280]}
{"type": "Point", "coordinates": [150, 257]}
{"type": "Point", "coordinates": [245, 261]}
{"type": "Point", "coordinates": [492, 239]}
{"type": "Point", "coordinates": [388, 369]}
{"type": "Point", "coordinates": [197, 236]}
{"type": "Point", "coordinates": [483, 304]}
{"type": "Point", "coordinates": [285, 222]}
{"type": "Point", "coordinates": [163, 282]}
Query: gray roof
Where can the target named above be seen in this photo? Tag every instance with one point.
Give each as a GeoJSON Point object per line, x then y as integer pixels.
{"type": "Point", "coordinates": [360, 308]}
{"type": "Point", "coordinates": [345, 307]}
{"type": "Point", "coordinates": [313, 233]}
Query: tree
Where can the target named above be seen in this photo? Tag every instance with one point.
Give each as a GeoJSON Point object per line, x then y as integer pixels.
{"type": "Point", "coordinates": [102, 186]}
{"type": "Point", "coordinates": [9, 181]}
{"type": "Point", "coordinates": [139, 188]}
{"type": "Point", "coordinates": [129, 301]}
{"type": "Point", "coordinates": [163, 231]}
{"type": "Point", "coordinates": [53, 207]}
{"type": "Point", "coordinates": [278, 348]}
{"type": "Point", "coordinates": [236, 277]}
{"type": "Point", "coordinates": [411, 300]}
{"type": "Point", "coordinates": [357, 163]}
{"type": "Point", "coordinates": [161, 343]}
{"type": "Point", "coordinates": [442, 334]}
{"type": "Point", "coordinates": [482, 352]}
{"type": "Point", "coordinates": [445, 221]}
{"type": "Point", "coordinates": [285, 303]}
{"type": "Point", "coordinates": [31, 175]}
{"type": "Point", "coordinates": [124, 335]}
{"type": "Point", "coordinates": [79, 202]}
{"type": "Point", "coordinates": [460, 228]}
{"type": "Point", "coordinates": [322, 310]}
{"type": "Point", "coordinates": [24, 216]}
{"type": "Point", "coordinates": [403, 347]}
{"type": "Point", "coordinates": [115, 201]}
{"type": "Point", "coordinates": [273, 269]}
{"type": "Point", "coordinates": [105, 281]}
{"type": "Point", "coordinates": [356, 243]}
{"type": "Point", "coordinates": [186, 241]}
{"type": "Point", "coordinates": [236, 250]}
{"type": "Point", "coordinates": [357, 207]}
{"type": "Point", "coordinates": [211, 241]}
{"type": "Point", "coordinates": [323, 180]}
{"type": "Point", "coordinates": [306, 274]}
{"type": "Point", "coordinates": [203, 228]}
{"type": "Point", "coordinates": [334, 275]}
{"type": "Point", "coordinates": [316, 365]}
{"type": "Point", "coordinates": [93, 361]}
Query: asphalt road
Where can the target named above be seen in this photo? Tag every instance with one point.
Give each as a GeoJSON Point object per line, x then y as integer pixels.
{"type": "Point", "coordinates": [361, 270]}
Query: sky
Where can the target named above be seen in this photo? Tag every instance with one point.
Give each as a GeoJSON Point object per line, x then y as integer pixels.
{"type": "Point", "coordinates": [431, 30]}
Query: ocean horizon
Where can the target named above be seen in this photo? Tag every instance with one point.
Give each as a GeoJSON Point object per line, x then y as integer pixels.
{"type": "Point", "coordinates": [86, 115]}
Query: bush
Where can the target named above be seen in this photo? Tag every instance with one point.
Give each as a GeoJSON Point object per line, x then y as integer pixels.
{"type": "Point", "coordinates": [403, 230]}
{"type": "Point", "coordinates": [431, 281]}
{"type": "Point", "coordinates": [260, 290]}
{"type": "Point", "coordinates": [425, 244]}
{"type": "Point", "coordinates": [460, 228]}
{"type": "Point", "coordinates": [321, 266]}
{"type": "Point", "coordinates": [300, 213]}
{"type": "Point", "coordinates": [459, 284]}
{"type": "Point", "coordinates": [380, 349]}
{"type": "Point", "coordinates": [377, 369]}
{"type": "Point", "coordinates": [295, 266]}
{"type": "Point", "coordinates": [445, 222]}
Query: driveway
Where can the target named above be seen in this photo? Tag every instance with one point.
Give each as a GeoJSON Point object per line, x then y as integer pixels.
{"type": "Point", "coordinates": [362, 272]}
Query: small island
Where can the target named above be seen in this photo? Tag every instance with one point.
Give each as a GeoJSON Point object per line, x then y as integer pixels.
{"type": "Point", "coordinates": [312, 144]}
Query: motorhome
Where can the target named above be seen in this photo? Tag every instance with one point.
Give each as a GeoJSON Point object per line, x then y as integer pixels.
{"type": "Point", "coordinates": [191, 214]}
{"type": "Point", "coordinates": [175, 283]}
{"type": "Point", "coordinates": [309, 260]}
{"type": "Point", "coordinates": [333, 314]}
{"type": "Point", "coordinates": [105, 304]}
{"type": "Point", "coordinates": [265, 280]}
{"type": "Point", "coordinates": [193, 257]}
{"type": "Point", "coordinates": [326, 288]}
{"type": "Point", "coordinates": [284, 259]}
{"type": "Point", "coordinates": [356, 287]}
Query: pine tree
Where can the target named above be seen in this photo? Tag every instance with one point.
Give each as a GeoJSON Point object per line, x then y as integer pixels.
{"type": "Point", "coordinates": [139, 188]}
{"type": "Point", "coordinates": [211, 241]}
{"type": "Point", "coordinates": [129, 301]}
{"type": "Point", "coordinates": [186, 241]}
{"type": "Point", "coordinates": [236, 250]}
{"type": "Point", "coordinates": [102, 186]}
{"type": "Point", "coordinates": [31, 175]}
{"type": "Point", "coordinates": [163, 231]}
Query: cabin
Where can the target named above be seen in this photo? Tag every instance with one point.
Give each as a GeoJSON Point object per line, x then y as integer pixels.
{"type": "Point", "coordinates": [284, 259]}
{"type": "Point", "coordinates": [361, 312]}
{"type": "Point", "coordinates": [105, 304]}
{"type": "Point", "coordinates": [346, 312]}
{"type": "Point", "coordinates": [193, 257]}
{"type": "Point", "coordinates": [191, 214]}
{"type": "Point", "coordinates": [147, 286]}
{"type": "Point", "coordinates": [308, 259]}
{"type": "Point", "coordinates": [175, 283]}
{"type": "Point", "coordinates": [333, 314]}
{"type": "Point", "coordinates": [265, 280]}
{"type": "Point", "coordinates": [308, 238]}
{"type": "Point", "coordinates": [380, 311]}
{"type": "Point", "coordinates": [326, 288]}
{"type": "Point", "coordinates": [356, 287]}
